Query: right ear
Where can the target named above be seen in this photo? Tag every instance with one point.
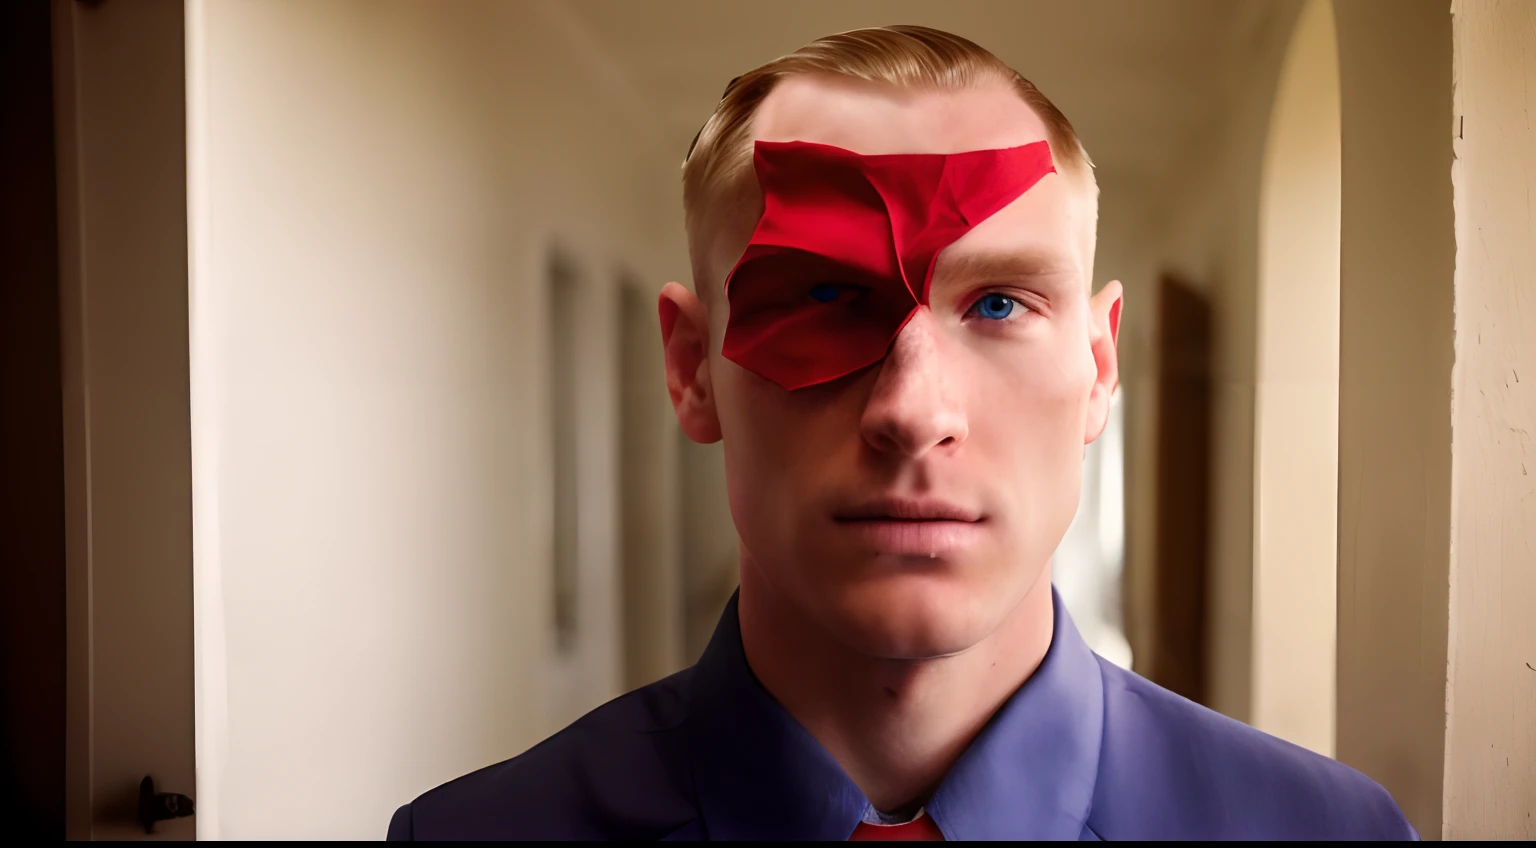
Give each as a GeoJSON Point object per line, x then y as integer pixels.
{"type": "Point", "coordinates": [685, 341]}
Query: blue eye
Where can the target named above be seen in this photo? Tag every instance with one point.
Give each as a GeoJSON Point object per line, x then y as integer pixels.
{"type": "Point", "coordinates": [994, 306]}
{"type": "Point", "coordinates": [825, 292]}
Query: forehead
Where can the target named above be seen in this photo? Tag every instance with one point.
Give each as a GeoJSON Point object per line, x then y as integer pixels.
{"type": "Point", "coordinates": [875, 118]}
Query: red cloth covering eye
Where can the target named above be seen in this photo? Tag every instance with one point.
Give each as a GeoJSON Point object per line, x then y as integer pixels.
{"type": "Point", "coordinates": [844, 252]}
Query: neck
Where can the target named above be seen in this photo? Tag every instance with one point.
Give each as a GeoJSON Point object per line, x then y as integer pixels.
{"type": "Point", "coordinates": [895, 726]}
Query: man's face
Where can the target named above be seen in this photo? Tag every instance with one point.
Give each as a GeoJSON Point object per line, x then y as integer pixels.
{"type": "Point", "coordinates": [909, 507]}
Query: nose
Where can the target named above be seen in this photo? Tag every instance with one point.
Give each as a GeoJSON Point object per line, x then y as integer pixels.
{"type": "Point", "coordinates": [916, 404]}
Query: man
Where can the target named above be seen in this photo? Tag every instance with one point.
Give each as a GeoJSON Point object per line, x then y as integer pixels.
{"type": "Point", "coordinates": [892, 239]}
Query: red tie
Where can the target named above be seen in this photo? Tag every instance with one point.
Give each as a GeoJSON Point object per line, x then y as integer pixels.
{"type": "Point", "coordinates": [920, 829]}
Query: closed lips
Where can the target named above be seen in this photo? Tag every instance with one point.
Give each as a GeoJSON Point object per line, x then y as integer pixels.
{"type": "Point", "coordinates": [906, 509]}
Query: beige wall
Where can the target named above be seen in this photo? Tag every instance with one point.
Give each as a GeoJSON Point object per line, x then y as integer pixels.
{"type": "Point", "coordinates": [1490, 737]}
{"type": "Point", "coordinates": [1296, 404]}
{"type": "Point", "coordinates": [1128, 258]}
{"type": "Point", "coordinates": [650, 562]}
{"type": "Point", "coordinates": [1397, 257]}
{"type": "Point", "coordinates": [373, 187]}
{"type": "Point", "coordinates": [1207, 233]}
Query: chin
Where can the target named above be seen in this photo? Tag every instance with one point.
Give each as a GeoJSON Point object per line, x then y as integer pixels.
{"type": "Point", "coordinates": [913, 616]}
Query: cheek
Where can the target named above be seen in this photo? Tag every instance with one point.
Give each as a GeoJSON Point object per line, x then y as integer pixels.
{"type": "Point", "coordinates": [1034, 390]}
{"type": "Point", "coordinates": [777, 445]}
{"type": "Point", "coordinates": [747, 426]}
{"type": "Point", "coordinates": [1027, 421]}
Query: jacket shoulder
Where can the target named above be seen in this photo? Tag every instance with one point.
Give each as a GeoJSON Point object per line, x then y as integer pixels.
{"type": "Point", "coordinates": [617, 772]}
{"type": "Point", "coordinates": [1172, 769]}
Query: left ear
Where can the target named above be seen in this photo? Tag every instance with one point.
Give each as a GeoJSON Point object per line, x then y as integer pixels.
{"type": "Point", "coordinates": [1103, 335]}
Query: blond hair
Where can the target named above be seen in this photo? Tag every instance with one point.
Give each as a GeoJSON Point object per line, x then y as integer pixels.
{"type": "Point", "coordinates": [917, 57]}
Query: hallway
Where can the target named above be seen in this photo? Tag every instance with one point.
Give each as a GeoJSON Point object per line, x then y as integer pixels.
{"type": "Point", "coordinates": [400, 279]}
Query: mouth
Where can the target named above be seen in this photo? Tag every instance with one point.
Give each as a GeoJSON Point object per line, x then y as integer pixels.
{"type": "Point", "coordinates": [927, 528]}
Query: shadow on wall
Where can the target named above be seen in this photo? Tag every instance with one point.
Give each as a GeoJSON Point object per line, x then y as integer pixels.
{"type": "Point", "coordinates": [1183, 457]}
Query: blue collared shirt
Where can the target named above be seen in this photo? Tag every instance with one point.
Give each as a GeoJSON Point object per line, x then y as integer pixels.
{"type": "Point", "coordinates": [1083, 750]}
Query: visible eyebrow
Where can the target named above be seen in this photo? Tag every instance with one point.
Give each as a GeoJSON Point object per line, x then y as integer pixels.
{"type": "Point", "coordinates": [1004, 266]}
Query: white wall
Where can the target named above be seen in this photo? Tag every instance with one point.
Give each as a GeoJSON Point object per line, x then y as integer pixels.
{"type": "Point", "coordinates": [1088, 565]}
{"type": "Point", "coordinates": [372, 189]}
{"type": "Point", "coordinates": [1490, 738]}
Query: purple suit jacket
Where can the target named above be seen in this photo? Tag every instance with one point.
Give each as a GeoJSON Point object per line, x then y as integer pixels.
{"type": "Point", "coordinates": [1083, 750]}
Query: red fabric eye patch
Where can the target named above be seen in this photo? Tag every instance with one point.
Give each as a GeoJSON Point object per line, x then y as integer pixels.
{"type": "Point", "coordinates": [844, 252]}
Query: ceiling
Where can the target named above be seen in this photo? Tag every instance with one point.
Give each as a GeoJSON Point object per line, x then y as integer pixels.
{"type": "Point", "coordinates": [1141, 80]}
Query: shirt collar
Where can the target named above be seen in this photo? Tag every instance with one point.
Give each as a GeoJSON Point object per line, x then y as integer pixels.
{"type": "Point", "coordinates": [1029, 774]}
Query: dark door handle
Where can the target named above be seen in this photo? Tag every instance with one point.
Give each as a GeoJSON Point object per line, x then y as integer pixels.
{"type": "Point", "coordinates": [160, 806]}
